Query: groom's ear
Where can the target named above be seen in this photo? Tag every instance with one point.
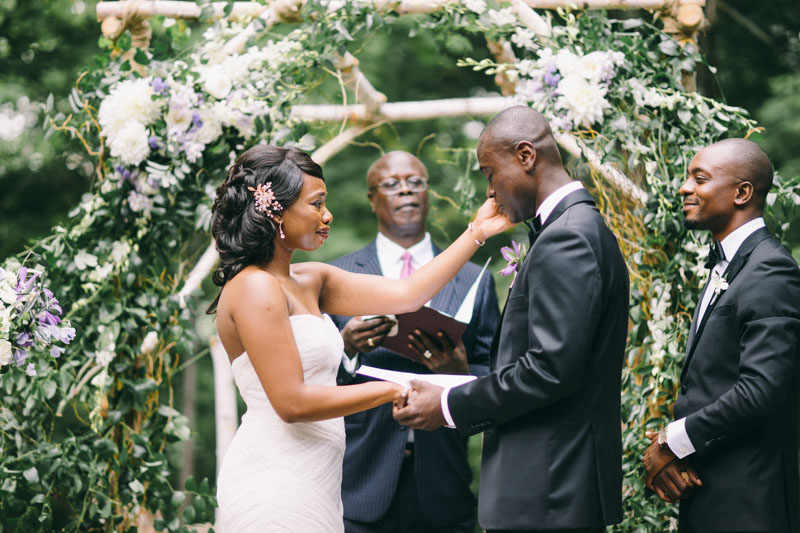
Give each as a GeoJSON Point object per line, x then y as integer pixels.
{"type": "Point", "coordinates": [525, 153]}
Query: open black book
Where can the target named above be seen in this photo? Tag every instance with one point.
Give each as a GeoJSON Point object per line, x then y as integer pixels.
{"type": "Point", "coordinates": [425, 319]}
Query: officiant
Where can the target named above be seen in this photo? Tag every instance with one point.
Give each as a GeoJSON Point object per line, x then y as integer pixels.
{"type": "Point", "coordinates": [396, 479]}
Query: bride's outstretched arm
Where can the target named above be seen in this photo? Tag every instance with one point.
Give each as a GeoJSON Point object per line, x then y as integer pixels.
{"type": "Point", "coordinates": [348, 294]}
{"type": "Point", "coordinates": [261, 319]}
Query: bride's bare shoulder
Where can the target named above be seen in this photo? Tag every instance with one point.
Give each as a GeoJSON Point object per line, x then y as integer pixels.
{"type": "Point", "coordinates": [253, 285]}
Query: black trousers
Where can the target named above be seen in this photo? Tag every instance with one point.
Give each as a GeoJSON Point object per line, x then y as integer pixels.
{"type": "Point", "coordinates": [404, 514]}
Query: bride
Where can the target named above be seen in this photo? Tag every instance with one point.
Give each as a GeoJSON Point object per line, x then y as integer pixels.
{"type": "Point", "coordinates": [283, 470]}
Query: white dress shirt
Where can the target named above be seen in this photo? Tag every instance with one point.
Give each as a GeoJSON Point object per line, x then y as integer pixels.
{"type": "Point", "coordinates": [677, 438]}
{"type": "Point", "coordinates": [544, 211]}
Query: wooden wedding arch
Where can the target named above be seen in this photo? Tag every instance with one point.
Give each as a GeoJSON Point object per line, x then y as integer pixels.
{"type": "Point", "coordinates": [682, 18]}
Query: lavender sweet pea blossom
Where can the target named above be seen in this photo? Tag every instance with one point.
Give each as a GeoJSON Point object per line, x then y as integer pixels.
{"type": "Point", "coordinates": [514, 256]}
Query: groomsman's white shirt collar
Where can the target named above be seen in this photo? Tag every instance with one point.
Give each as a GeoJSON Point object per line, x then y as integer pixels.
{"type": "Point", "coordinates": [544, 212]}
{"type": "Point", "coordinates": [677, 438]}
{"type": "Point", "coordinates": [390, 254]}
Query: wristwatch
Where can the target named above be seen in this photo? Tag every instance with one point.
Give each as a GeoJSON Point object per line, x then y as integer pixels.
{"type": "Point", "coordinates": [662, 439]}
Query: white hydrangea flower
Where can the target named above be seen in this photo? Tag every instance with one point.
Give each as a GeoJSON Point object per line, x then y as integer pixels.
{"type": "Point", "coordinates": [568, 63]}
{"type": "Point", "coordinates": [85, 260]}
{"type": "Point", "coordinates": [5, 352]}
{"type": "Point", "coordinates": [5, 320]}
{"type": "Point", "coordinates": [583, 101]}
{"type": "Point", "coordinates": [524, 38]}
{"type": "Point", "coordinates": [129, 100]}
{"type": "Point", "coordinates": [130, 144]}
{"type": "Point", "coordinates": [476, 6]}
{"type": "Point", "coordinates": [138, 202]}
{"type": "Point", "coordinates": [7, 292]}
{"type": "Point", "coordinates": [120, 251]}
{"type": "Point", "coordinates": [528, 68]}
{"type": "Point", "coordinates": [211, 128]}
{"type": "Point", "coordinates": [596, 67]}
{"type": "Point", "coordinates": [193, 150]}
{"type": "Point", "coordinates": [502, 17]}
{"type": "Point", "coordinates": [216, 82]}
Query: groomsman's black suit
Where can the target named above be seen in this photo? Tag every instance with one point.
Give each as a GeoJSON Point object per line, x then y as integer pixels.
{"type": "Point", "coordinates": [739, 394]}
{"type": "Point", "coordinates": [376, 443]}
{"type": "Point", "coordinates": [550, 409]}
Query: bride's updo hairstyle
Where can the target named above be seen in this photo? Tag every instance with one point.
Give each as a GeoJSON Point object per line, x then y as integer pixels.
{"type": "Point", "coordinates": [245, 233]}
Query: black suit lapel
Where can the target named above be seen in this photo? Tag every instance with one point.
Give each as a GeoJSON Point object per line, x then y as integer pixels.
{"type": "Point", "coordinates": [367, 260]}
{"type": "Point", "coordinates": [734, 267]}
{"type": "Point", "coordinates": [575, 197]}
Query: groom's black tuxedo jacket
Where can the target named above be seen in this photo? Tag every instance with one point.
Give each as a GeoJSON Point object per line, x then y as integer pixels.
{"type": "Point", "coordinates": [550, 409]}
{"type": "Point", "coordinates": [376, 443]}
{"type": "Point", "coordinates": [739, 394]}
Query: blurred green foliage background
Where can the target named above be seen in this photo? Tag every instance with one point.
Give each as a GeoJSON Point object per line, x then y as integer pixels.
{"type": "Point", "coordinates": [752, 52]}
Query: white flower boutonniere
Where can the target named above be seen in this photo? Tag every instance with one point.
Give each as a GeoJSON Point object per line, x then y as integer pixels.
{"type": "Point", "coordinates": [718, 283]}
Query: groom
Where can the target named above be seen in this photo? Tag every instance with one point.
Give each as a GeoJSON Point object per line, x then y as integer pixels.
{"type": "Point", "coordinates": [550, 409]}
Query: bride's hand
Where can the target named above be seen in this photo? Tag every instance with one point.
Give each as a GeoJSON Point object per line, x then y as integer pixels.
{"type": "Point", "coordinates": [489, 221]}
{"type": "Point", "coordinates": [402, 395]}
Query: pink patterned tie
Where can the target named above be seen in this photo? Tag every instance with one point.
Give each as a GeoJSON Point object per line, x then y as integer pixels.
{"type": "Point", "coordinates": [407, 269]}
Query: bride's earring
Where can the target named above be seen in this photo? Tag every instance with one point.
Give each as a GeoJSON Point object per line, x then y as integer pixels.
{"type": "Point", "coordinates": [280, 229]}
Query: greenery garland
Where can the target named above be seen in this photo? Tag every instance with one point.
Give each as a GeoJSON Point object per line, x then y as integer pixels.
{"type": "Point", "coordinates": [85, 429]}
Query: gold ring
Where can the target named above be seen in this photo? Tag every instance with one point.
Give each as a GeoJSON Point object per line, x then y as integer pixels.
{"type": "Point", "coordinates": [685, 476]}
{"type": "Point", "coordinates": [371, 344]}
{"type": "Point", "coordinates": [427, 354]}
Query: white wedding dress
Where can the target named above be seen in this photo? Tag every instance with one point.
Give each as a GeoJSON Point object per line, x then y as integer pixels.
{"type": "Point", "coordinates": [278, 476]}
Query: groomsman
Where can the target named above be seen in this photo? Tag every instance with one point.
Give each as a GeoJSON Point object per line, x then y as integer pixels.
{"type": "Point", "coordinates": [730, 456]}
{"type": "Point", "coordinates": [550, 409]}
{"type": "Point", "coordinates": [395, 479]}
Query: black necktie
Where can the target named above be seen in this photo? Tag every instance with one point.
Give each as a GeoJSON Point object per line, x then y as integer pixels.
{"type": "Point", "coordinates": [715, 255]}
{"type": "Point", "coordinates": [536, 227]}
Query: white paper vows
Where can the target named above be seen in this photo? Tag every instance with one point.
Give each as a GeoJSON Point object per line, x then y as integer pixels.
{"type": "Point", "coordinates": [405, 378]}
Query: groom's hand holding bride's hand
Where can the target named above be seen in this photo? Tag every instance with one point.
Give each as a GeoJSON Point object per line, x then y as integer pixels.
{"type": "Point", "coordinates": [424, 408]}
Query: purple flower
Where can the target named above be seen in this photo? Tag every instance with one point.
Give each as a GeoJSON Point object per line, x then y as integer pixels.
{"type": "Point", "coordinates": [66, 335]}
{"type": "Point", "coordinates": [19, 356]}
{"type": "Point", "coordinates": [48, 318]}
{"type": "Point", "coordinates": [196, 120]}
{"type": "Point", "coordinates": [56, 351]}
{"type": "Point", "coordinates": [510, 269]}
{"type": "Point", "coordinates": [160, 86]}
{"type": "Point", "coordinates": [153, 142]}
{"type": "Point", "coordinates": [552, 79]}
{"type": "Point", "coordinates": [24, 339]}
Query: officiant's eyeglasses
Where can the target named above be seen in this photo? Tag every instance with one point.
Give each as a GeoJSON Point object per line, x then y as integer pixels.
{"type": "Point", "coordinates": [393, 186]}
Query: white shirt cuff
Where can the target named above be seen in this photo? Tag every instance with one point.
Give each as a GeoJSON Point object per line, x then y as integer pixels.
{"type": "Point", "coordinates": [350, 364]}
{"type": "Point", "coordinates": [677, 439]}
{"type": "Point", "coordinates": [445, 410]}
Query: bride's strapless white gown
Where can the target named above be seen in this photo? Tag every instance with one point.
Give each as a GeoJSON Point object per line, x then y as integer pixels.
{"type": "Point", "coordinates": [278, 476]}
